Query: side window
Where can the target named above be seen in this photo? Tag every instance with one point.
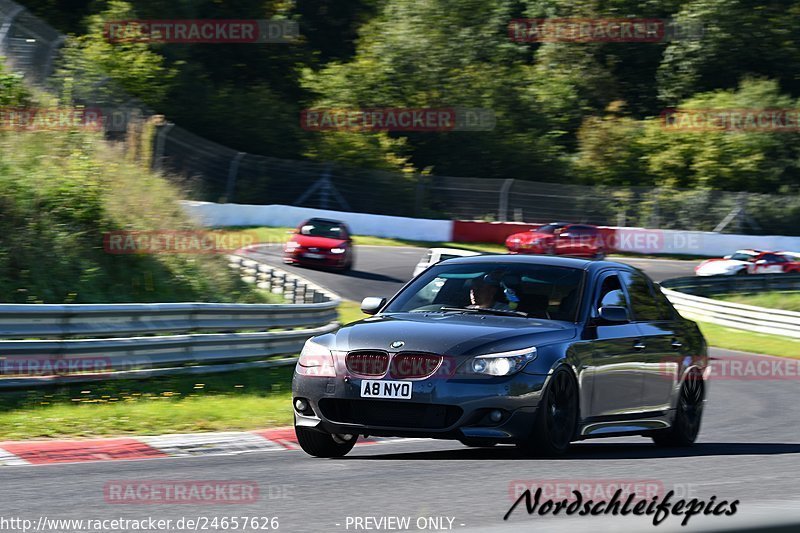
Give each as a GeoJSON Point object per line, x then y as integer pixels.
{"type": "Point", "coordinates": [611, 293]}
{"type": "Point", "coordinates": [643, 304]}
{"type": "Point", "coordinates": [665, 309]}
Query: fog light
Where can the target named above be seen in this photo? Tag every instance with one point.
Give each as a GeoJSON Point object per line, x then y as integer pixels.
{"type": "Point", "coordinates": [495, 416]}
{"type": "Point", "coordinates": [300, 404]}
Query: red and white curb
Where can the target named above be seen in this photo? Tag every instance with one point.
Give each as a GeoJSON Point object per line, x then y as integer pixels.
{"type": "Point", "coordinates": [128, 448]}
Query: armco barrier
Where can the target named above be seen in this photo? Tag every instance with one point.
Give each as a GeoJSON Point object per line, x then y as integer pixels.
{"type": "Point", "coordinates": [739, 316]}
{"type": "Point", "coordinates": [53, 349]}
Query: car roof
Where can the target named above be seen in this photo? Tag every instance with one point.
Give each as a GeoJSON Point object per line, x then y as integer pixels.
{"type": "Point", "coordinates": [560, 261]}
{"type": "Point", "coordinates": [326, 220]}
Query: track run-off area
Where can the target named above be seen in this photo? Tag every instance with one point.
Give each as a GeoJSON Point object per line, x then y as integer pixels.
{"type": "Point", "coordinates": [748, 450]}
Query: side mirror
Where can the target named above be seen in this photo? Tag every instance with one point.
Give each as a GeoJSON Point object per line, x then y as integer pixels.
{"type": "Point", "coordinates": [616, 314]}
{"type": "Point", "coordinates": [372, 304]}
{"type": "Point", "coordinates": [563, 235]}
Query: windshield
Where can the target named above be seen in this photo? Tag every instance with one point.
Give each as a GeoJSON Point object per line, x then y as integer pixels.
{"type": "Point", "coordinates": [320, 228]}
{"type": "Point", "coordinates": [549, 228]}
{"type": "Point", "coordinates": [742, 257]}
{"type": "Point", "coordinates": [537, 291]}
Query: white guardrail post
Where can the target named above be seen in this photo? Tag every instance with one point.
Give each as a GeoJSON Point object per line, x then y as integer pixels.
{"type": "Point", "coordinates": [78, 342]}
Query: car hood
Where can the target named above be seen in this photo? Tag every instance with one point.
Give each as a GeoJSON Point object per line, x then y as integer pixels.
{"type": "Point", "coordinates": [318, 242]}
{"type": "Point", "coordinates": [450, 334]}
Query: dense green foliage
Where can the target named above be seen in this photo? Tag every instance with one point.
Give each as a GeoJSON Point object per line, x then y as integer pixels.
{"type": "Point", "coordinates": [60, 191]}
{"type": "Point", "coordinates": [568, 112]}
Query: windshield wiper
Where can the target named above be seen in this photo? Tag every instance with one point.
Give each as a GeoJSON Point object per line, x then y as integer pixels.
{"type": "Point", "coordinates": [486, 310]}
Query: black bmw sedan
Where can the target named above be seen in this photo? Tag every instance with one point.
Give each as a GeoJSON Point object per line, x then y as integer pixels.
{"type": "Point", "coordinates": [534, 351]}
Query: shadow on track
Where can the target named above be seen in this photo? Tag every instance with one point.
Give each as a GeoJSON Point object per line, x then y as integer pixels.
{"type": "Point", "coordinates": [585, 451]}
{"type": "Point", "coordinates": [372, 276]}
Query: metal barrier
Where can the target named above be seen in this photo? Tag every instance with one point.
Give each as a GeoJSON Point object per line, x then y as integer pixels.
{"type": "Point", "coordinates": [708, 285]}
{"type": "Point", "coordinates": [53, 352]}
{"type": "Point", "coordinates": [683, 293]}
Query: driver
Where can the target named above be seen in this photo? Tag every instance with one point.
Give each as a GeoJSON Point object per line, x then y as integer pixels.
{"type": "Point", "coordinates": [483, 293]}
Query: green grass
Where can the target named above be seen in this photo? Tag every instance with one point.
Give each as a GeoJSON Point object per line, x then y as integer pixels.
{"type": "Point", "coordinates": [279, 235]}
{"type": "Point", "coordinates": [748, 341]}
{"type": "Point", "coordinates": [789, 301]}
{"type": "Point", "coordinates": [350, 312]}
{"type": "Point", "coordinates": [242, 400]}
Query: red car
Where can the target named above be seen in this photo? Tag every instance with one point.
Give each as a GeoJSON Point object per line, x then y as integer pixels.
{"type": "Point", "coordinates": [320, 242]}
{"type": "Point", "coordinates": [559, 238]}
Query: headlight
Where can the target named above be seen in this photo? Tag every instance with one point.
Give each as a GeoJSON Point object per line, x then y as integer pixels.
{"type": "Point", "coordinates": [315, 360]}
{"type": "Point", "coordinates": [501, 363]}
{"type": "Point", "coordinates": [338, 250]}
{"type": "Point", "coordinates": [291, 245]}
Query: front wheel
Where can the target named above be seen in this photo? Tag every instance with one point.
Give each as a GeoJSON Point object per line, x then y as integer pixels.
{"type": "Point", "coordinates": [688, 414]}
{"type": "Point", "coordinates": [324, 444]}
{"type": "Point", "coordinates": [556, 418]}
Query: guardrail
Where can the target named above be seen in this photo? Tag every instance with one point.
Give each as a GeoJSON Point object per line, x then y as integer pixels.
{"type": "Point", "coordinates": [708, 285]}
{"type": "Point", "coordinates": [51, 350]}
{"type": "Point", "coordinates": [684, 295]}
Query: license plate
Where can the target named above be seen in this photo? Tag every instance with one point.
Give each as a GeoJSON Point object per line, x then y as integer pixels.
{"type": "Point", "coordinates": [314, 256]}
{"type": "Point", "coordinates": [400, 390]}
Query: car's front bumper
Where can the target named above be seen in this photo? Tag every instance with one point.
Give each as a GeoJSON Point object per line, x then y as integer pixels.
{"type": "Point", "coordinates": [439, 408]}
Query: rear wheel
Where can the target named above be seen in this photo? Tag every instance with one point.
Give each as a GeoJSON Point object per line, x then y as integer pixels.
{"type": "Point", "coordinates": [324, 444]}
{"type": "Point", "coordinates": [688, 414]}
{"type": "Point", "coordinates": [556, 418]}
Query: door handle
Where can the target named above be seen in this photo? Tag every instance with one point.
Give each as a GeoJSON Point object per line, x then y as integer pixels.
{"type": "Point", "coordinates": [639, 346]}
{"type": "Point", "coordinates": [677, 345]}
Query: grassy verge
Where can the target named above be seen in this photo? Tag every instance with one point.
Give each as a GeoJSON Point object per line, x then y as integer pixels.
{"type": "Point", "coordinates": [61, 192]}
{"type": "Point", "coordinates": [747, 341]}
{"type": "Point", "coordinates": [789, 301]}
{"type": "Point", "coordinates": [232, 401]}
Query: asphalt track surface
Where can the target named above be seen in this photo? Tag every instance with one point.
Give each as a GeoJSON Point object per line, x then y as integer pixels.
{"type": "Point", "coordinates": [748, 450]}
{"type": "Point", "coordinates": [383, 270]}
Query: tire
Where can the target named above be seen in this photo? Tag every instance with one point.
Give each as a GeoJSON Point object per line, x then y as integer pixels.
{"type": "Point", "coordinates": [600, 256]}
{"type": "Point", "coordinates": [742, 272]}
{"type": "Point", "coordinates": [688, 414]}
{"type": "Point", "coordinates": [324, 444]}
{"type": "Point", "coordinates": [477, 442]}
{"type": "Point", "coordinates": [556, 418]}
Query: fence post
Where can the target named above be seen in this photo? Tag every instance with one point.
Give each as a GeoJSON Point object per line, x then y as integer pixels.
{"type": "Point", "coordinates": [233, 171]}
{"type": "Point", "coordinates": [502, 213]}
{"type": "Point", "coordinates": [161, 140]}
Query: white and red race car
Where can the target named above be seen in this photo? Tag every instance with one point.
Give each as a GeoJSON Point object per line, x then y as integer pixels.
{"type": "Point", "coordinates": [750, 262]}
